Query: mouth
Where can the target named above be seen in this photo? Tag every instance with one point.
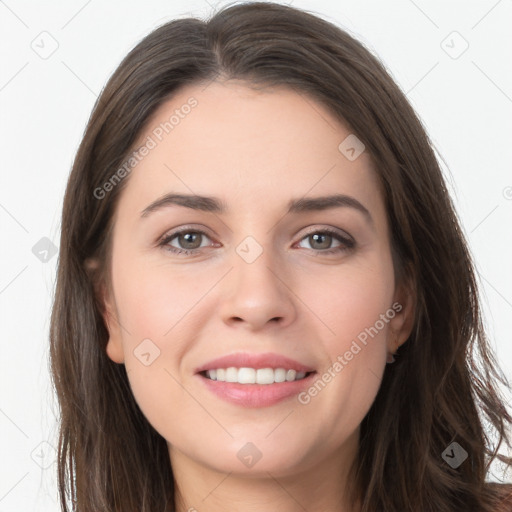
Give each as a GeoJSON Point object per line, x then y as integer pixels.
{"type": "Point", "coordinates": [255, 380]}
{"type": "Point", "coordinates": [246, 375]}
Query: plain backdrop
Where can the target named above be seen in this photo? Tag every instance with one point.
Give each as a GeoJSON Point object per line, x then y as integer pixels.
{"type": "Point", "coordinates": [452, 59]}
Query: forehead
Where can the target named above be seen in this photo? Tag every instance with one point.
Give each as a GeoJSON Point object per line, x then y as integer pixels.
{"type": "Point", "coordinates": [247, 147]}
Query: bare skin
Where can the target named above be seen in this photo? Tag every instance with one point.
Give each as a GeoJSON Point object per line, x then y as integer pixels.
{"type": "Point", "coordinates": [254, 151]}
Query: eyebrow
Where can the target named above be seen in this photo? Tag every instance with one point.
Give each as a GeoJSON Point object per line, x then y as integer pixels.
{"type": "Point", "coordinates": [214, 205]}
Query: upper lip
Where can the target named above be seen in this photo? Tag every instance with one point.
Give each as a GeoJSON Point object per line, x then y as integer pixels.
{"type": "Point", "coordinates": [256, 361]}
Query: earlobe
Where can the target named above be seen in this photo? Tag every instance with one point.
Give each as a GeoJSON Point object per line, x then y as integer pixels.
{"type": "Point", "coordinates": [114, 347]}
{"type": "Point", "coordinates": [114, 352]}
{"type": "Point", "coordinates": [403, 322]}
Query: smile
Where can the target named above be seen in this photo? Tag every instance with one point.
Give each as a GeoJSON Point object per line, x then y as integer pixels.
{"type": "Point", "coordinates": [254, 380]}
{"type": "Point", "coordinates": [254, 376]}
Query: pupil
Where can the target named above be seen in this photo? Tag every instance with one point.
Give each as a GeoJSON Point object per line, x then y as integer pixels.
{"type": "Point", "coordinates": [190, 238]}
{"type": "Point", "coordinates": [325, 245]}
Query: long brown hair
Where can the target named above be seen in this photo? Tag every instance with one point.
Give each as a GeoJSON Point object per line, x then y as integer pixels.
{"type": "Point", "coordinates": [443, 387]}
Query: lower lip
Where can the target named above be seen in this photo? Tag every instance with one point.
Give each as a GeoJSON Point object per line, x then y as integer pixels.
{"type": "Point", "coordinates": [256, 395]}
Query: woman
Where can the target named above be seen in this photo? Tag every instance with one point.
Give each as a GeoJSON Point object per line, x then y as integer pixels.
{"type": "Point", "coordinates": [264, 298]}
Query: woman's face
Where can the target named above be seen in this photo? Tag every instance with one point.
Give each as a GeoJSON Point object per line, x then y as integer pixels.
{"type": "Point", "coordinates": [261, 273]}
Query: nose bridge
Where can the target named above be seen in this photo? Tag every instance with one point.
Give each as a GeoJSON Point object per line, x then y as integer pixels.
{"type": "Point", "coordinates": [257, 291]}
{"type": "Point", "coordinates": [258, 265]}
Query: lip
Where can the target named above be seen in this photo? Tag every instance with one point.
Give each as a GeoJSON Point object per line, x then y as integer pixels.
{"type": "Point", "coordinates": [255, 395]}
{"type": "Point", "coordinates": [256, 361]}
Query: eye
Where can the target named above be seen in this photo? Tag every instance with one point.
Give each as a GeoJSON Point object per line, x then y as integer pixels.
{"type": "Point", "coordinates": [189, 241]}
{"type": "Point", "coordinates": [185, 241]}
{"type": "Point", "coordinates": [321, 240]}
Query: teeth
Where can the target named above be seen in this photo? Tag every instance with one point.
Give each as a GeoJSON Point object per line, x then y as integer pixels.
{"type": "Point", "coordinates": [290, 375]}
{"type": "Point", "coordinates": [279, 375]}
{"type": "Point", "coordinates": [246, 375]}
{"type": "Point", "coordinates": [265, 376]}
{"type": "Point", "coordinates": [253, 376]}
{"type": "Point", "coordinates": [231, 375]}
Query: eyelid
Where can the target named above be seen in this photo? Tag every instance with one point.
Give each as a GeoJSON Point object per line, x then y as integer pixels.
{"type": "Point", "coordinates": [183, 229]}
{"type": "Point", "coordinates": [344, 238]}
{"type": "Point", "coordinates": [309, 230]}
{"type": "Point", "coordinates": [327, 229]}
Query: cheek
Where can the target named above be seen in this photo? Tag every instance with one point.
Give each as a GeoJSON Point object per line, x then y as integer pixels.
{"type": "Point", "coordinates": [353, 302]}
{"type": "Point", "coordinates": [357, 308]}
{"type": "Point", "coordinates": [158, 308]}
{"type": "Point", "coordinates": [153, 300]}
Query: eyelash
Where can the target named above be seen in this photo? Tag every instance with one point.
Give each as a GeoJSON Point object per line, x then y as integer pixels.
{"type": "Point", "coordinates": [347, 243]}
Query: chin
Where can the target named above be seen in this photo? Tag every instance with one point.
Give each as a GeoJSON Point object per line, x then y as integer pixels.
{"type": "Point", "coordinates": [256, 457]}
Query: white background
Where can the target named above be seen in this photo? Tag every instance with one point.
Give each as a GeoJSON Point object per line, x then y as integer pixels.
{"type": "Point", "coordinates": [465, 104]}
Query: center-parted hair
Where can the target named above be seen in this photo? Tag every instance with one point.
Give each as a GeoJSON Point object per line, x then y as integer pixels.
{"type": "Point", "coordinates": [443, 388]}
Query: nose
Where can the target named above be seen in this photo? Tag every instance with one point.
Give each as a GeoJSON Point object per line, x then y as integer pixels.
{"type": "Point", "coordinates": [258, 293]}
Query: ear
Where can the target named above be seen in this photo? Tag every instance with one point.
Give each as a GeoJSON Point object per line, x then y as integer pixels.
{"type": "Point", "coordinates": [114, 346]}
{"type": "Point", "coordinates": [108, 309]}
{"type": "Point", "coordinates": [404, 305]}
